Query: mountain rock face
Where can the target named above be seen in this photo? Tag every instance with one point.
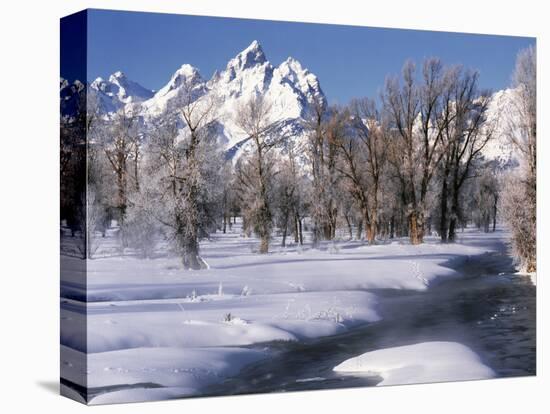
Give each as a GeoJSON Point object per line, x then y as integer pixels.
{"type": "Point", "coordinates": [290, 89]}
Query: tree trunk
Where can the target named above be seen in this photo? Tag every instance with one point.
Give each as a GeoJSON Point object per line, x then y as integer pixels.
{"type": "Point", "coordinates": [416, 228]}
{"type": "Point", "coordinates": [300, 231]}
{"type": "Point", "coordinates": [359, 230]}
{"type": "Point", "coordinates": [296, 235]}
{"type": "Point", "coordinates": [136, 170]}
{"type": "Point", "coordinates": [373, 228]}
{"type": "Point", "coordinates": [453, 223]}
{"type": "Point", "coordinates": [443, 229]}
{"type": "Point", "coordinates": [452, 228]}
{"type": "Point", "coordinates": [264, 244]}
{"type": "Point", "coordinates": [121, 184]}
{"type": "Point", "coordinates": [350, 228]}
{"type": "Point", "coordinates": [285, 226]}
{"type": "Point", "coordinates": [495, 207]}
{"type": "Point", "coordinates": [191, 259]}
{"type": "Point", "coordinates": [374, 215]}
{"type": "Point", "coordinates": [369, 234]}
{"type": "Point", "coordinates": [367, 223]}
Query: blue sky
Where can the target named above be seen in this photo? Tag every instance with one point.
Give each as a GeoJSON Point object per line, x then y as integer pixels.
{"type": "Point", "coordinates": [350, 61]}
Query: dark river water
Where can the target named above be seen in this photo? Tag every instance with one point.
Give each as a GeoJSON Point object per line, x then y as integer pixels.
{"type": "Point", "coordinates": [489, 309]}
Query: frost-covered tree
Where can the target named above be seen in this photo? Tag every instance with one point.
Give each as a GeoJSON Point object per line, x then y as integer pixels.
{"type": "Point", "coordinates": [324, 129]}
{"type": "Point", "coordinates": [485, 193]}
{"type": "Point", "coordinates": [229, 204]}
{"type": "Point", "coordinates": [363, 158]}
{"type": "Point", "coordinates": [73, 153]}
{"type": "Point", "coordinates": [465, 132]}
{"type": "Point", "coordinates": [520, 214]}
{"type": "Point", "coordinates": [519, 199]}
{"type": "Point", "coordinates": [198, 115]}
{"type": "Point", "coordinates": [288, 191]}
{"type": "Point", "coordinates": [185, 170]}
{"type": "Point", "coordinates": [118, 138]}
{"type": "Point", "coordinates": [256, 169]}
{"type": "Point", "coordinates": [402, 104]}
{"type": "Point", "coordinates": [418, 110]}
{"type": "Point", "coordinates": [92, 216]}
{"type": "Point", "coordinates": [141, 226]}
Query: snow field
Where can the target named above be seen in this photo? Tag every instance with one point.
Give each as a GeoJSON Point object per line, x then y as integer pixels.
{"type": "Point", "coordinates": [149, 321]}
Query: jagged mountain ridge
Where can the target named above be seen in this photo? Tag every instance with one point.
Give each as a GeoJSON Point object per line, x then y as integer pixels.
{"type": "Point", "coordinates": [289, 87]}
{"type": "Point", "coordinates": [112, 94]}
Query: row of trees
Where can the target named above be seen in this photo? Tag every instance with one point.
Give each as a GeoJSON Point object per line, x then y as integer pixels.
{"type": "Point", "coordinates": [403, 162]}
{"type": "Point", "coordinates": [407, 164]}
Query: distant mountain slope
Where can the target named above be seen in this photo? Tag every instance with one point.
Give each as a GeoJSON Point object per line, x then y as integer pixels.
{"type": "Point", "coordinates": [501, 112]}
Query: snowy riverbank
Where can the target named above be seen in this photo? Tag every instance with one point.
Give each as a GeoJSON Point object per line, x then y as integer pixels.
{"type": "Point", "coordinates": [420, 363]}
{"type": "Point", "coordinates": [151, 323]}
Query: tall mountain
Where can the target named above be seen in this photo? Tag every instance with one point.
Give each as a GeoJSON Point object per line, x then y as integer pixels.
{"type": "Point", "coordinates": [289, 87]}
{"type": "Point", "coordinates": [111, 95]}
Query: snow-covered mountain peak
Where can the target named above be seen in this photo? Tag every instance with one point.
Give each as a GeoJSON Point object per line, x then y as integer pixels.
{"type": "Point", "coordinates": [128, 90]}
{"type": "Point", "coordinates": [187, 75]}
{"type": "Point", "coordinates": [304, 83]}
{"type": "Point", "coordinates": [111, 95]}
{"type": "Point", "coordinates": [187, 80]}
{"type": "Point", "coordinates": [251, 56]}
{"type": "Point", "coordinates": [291, 65]}
{"type": "Point", "coordinates": [293, 70]}
{"type": "Point", "coordinates": [117, 76]}
{"type": "Point", "coordinates": [187, 71]}
{"type": "Point", "coordinates": [100, 84]}
{"type": "Point", "coordinates": [289, 88]}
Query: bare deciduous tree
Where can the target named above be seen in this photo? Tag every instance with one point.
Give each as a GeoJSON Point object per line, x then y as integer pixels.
{"type": "Point", "coordinates": [324, 130]}
{"type": "Point", "coordinates": [364, 155]}
{"type": "Point", "coordinates": [187, 163]}
{"type": "Point", "coordinates": [254, 118]}
{"type": "Point", "coordinates": [419, 113]}
{"type": "Point", "coordinates": [465, 132]}
{"type": "Point", "coordinates": [119, 139]}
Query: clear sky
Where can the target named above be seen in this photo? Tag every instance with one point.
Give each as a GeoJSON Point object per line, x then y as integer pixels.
{"type": "Point", "coordinates": [350, 61]}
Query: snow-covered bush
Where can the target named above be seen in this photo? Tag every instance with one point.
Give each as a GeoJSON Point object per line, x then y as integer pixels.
{"type": "Point", "coordinates": [140, 231]}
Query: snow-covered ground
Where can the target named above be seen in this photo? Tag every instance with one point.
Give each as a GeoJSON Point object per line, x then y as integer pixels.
{"type": "Point", "coordinates": [419, 363]}
{"type": "Point", "coordinates": [151, 322]}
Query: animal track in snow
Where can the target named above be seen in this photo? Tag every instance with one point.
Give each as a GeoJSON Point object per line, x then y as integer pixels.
{"type": "Point", "coordinates": [417, 273]}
